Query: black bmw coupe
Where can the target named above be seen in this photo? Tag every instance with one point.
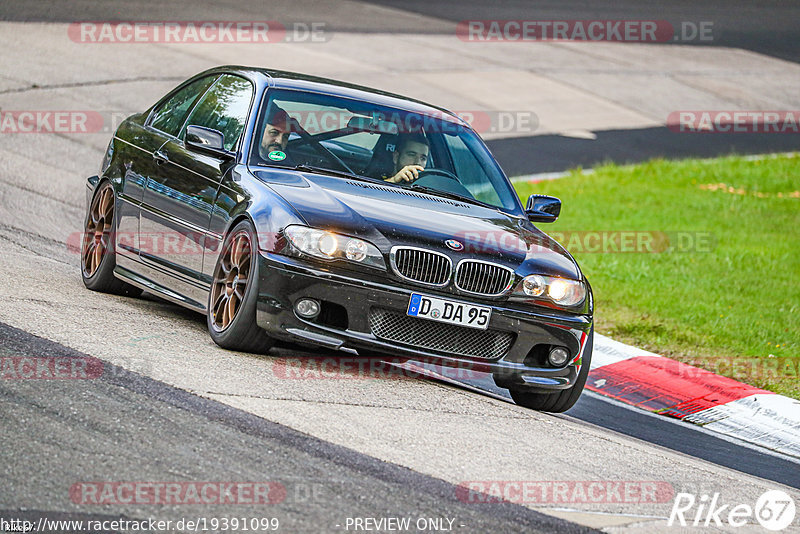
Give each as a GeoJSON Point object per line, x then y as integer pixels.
{"type": "Point", "coordinates": [290, 207]}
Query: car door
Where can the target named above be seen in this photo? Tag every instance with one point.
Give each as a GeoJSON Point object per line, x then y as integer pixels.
{"type": "Point", "coordinates": [181, 197]}
{"type": "Point", "coordinates": [137, 143]}
{"type": "Point", "coordinates": [134, 146]}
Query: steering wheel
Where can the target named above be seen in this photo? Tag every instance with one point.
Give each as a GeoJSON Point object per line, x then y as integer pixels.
{"type": "Point", "coordinates": [441, 180]}
{"type": "Point", "coordinates": [436, 172]}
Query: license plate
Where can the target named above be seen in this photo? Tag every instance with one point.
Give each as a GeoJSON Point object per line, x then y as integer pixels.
{"type": "Point", "coordinates": [449, 311]}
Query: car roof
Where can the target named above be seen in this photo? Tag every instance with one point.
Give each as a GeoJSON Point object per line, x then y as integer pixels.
{"type": "Point", "coordinates": [294, 80]}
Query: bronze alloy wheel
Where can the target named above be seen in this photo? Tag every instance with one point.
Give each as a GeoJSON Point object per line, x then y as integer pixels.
{"type": "Point", "coordinates": [230, 281]}
{"type": "Point", "coordinates": [97, 235]}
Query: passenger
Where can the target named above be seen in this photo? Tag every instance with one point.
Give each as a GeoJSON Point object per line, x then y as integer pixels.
{"type": "Point", "coordinates": [410, 158]}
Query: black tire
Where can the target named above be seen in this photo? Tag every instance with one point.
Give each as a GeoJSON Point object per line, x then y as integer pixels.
{"type": "Point", "coordinates": [100, 277]}
{"type": "Point", "coordinates": [240, 333]}
{"type": "Point", "coordinates": [559, 401]}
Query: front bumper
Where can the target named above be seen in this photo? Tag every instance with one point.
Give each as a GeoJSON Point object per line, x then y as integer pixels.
{"type": "Point", "coordinates": [283, 280]}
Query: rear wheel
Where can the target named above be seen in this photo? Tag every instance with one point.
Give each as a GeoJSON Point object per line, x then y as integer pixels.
{"type": "Point", "coordinates": [231, 315]}
{"type": "Point", "coordinates": [559, 401]}
{"type": "Point", "coordinates": [98, 257]}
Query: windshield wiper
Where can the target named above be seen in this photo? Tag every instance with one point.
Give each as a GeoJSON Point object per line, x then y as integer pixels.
{"type": "Point", "coordinates": [448, 194]}
{"type": "Point", "coordinates": [323, 170]}
{"type": "Point", "coordinates": [332, 172]}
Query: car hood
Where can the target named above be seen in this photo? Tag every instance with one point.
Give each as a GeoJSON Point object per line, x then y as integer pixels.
{"type": "Point", "coordinates": [388, 216]}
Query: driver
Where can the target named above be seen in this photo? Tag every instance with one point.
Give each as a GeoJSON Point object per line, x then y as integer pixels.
{"type": "Point", "coordinates": [409, 158]}
{"type": "Point", "coordinates": [276, 133]}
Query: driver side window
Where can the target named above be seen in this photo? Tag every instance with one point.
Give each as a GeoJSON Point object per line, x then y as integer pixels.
{"type": "Point", "coordinates": [224, 108]}
{"type": "Point", "coordinates": [170, 115]}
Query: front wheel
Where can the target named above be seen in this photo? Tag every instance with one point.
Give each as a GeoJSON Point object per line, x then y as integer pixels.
{"type": "Point", "coordinates": [559, 401]}
{"type": "Point", "coordinates": [231, 315]}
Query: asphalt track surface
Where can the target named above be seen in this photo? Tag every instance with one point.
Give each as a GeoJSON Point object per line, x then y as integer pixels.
{"type": "Point", "coordinates": [554, 153]}
{"type": "Point", "coordinates": [126, 426]}
{"type": "Point", "coordinates": [175, 407]}
{"type": "Point", "coordinates": [768, 27]}
{"type": "Point", "coordinates": [687, 439]}
{"type": "Point", "coordinates": [691, 440]}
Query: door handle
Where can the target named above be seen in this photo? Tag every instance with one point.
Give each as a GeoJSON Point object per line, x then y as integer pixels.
{"type": "Point", "coordinates": [160, 157]}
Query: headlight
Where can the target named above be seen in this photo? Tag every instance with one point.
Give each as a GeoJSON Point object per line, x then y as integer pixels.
{"type": "Point", "coordinates": [562, 291]}
{"type": "Point", "coordinates": [330, 246]}
{"type": "Point", "coordinates": [356, 250]}
{"type": "Point", "coordinates": [534, 285]}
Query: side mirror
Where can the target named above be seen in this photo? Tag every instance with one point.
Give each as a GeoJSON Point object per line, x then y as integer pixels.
{"type": "Point", "coordinates": [207, 140]}
{"type": "Point", "coordinates": [542, 208]}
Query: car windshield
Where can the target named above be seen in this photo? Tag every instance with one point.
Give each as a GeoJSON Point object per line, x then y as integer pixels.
{"type": "Point", "coordinates": [342, 136]}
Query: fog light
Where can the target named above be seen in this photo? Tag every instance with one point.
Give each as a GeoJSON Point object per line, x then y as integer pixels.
{"type": "Point", "coordinates": [307, 308]}
{"type": "Point", "coordinates": [558, 357]}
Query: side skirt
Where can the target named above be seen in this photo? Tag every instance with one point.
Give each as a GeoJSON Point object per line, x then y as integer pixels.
{"type": "Point", "coordinates": [157, 289]}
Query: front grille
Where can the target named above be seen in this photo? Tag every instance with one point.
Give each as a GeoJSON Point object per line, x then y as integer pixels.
{"type": "Point", "coordinates": [483, 278]}
{"type": "Point", "coordinates": [439, 337]}
{"type": "Point", "coordinates": [422, 266]}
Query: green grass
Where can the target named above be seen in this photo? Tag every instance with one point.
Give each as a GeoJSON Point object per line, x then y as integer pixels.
{"type": "Point", "coordinates": [733, 305]}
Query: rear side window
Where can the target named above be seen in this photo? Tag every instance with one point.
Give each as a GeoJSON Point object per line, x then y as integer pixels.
{"type": "Point", "coordinates": [224, 107]}
{"type": "Point", "coordinates": [169, 116]}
